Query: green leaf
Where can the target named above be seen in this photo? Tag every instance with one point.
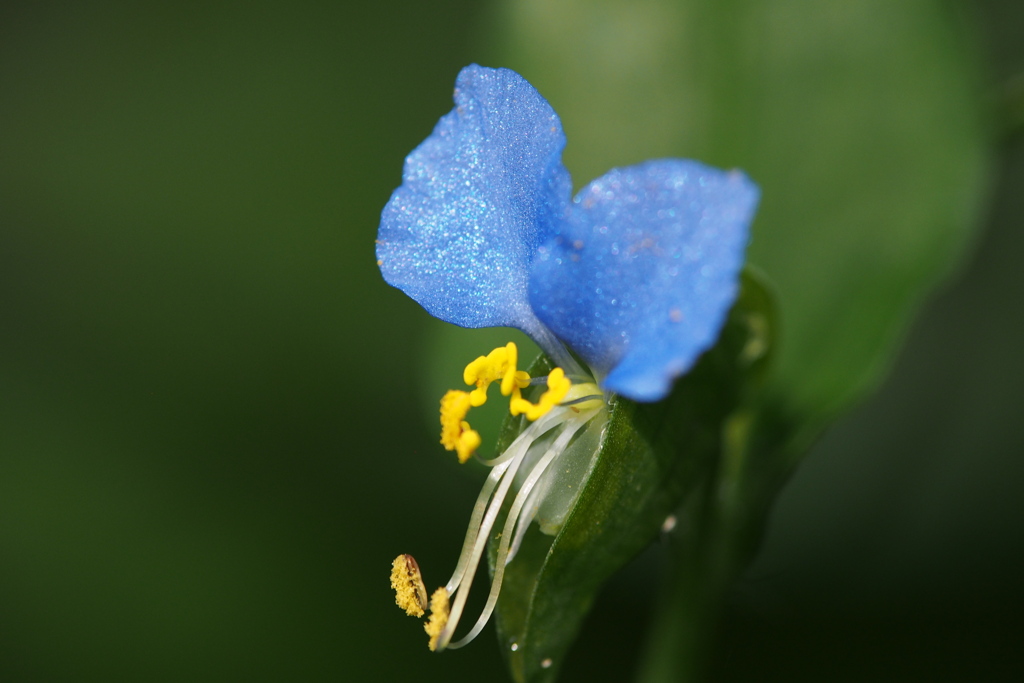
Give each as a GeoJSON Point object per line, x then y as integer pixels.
{"type": "Point", "coordinates": [862, 121]}
{"type": "Point", "coordinates": [650, 456]}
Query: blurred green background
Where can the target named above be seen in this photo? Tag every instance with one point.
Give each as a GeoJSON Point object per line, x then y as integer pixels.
{"type": "Point", "coordinates": [217, 422]}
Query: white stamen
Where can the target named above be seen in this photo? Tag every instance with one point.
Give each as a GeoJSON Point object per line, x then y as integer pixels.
{"type": "Point", "coordinates": [474, 526]}
{"type": "Point", "coordinates": [518, 448]}
{"type": "Point", "coordinates": [532, 505]}
{"type": "Point", "coordinates": [550, 455]}
{"type": "Point", "coordinates": [528, 436]}
{"type": "Point", "coordinates": [474, 558]}
{"type": "Point", "coordinates": [533, 451]}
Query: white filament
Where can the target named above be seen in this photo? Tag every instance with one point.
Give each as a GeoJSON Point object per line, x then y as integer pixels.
{"type": "Point", "coordinates": [550, 455]}
{"type": "Point", "coordinates": [563, 423]}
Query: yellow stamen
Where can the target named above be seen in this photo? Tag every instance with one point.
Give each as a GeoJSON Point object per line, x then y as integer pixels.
{"type": "Point", "coordinates": [558, 387]}
{"type": "Point", "coordinates": [498, 364]}
{"type": "Point", "coordinates": [456, 434]}
{"type": "Point", "coordinates": [516, 473]}
{"type": "Point", "coordinates": [439, 610]}
{"type": "Point", "coordinates": [410, 593]}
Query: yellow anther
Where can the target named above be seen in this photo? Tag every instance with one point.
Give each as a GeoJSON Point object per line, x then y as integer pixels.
{"type": "Point", "coordinates": [468, 443]}
{"type": "Point", "coordinates": [410, 593]}
{"type": "Point", "coordinates": [456, 434]}
{"type": "Point", "coordinates": [499, 364]}
{"type": "Point", "coordinates": [558, 387]}
{"type": "Point", "coordinates": [439, 610]}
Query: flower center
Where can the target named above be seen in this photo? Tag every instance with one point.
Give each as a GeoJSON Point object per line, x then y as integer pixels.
{"type": "Point", "coordinates": [499, 364]}
{"type": "Point", "coordinates": [566, 425]}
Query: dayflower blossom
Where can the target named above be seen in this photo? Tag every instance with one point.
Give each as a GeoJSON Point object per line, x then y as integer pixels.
{"type": "Point", "coordinates": [623, 287]}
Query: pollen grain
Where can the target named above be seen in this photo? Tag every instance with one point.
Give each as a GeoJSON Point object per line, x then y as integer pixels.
{"type": "Point", "coordinates": [439, 611]}
{"type": "Point", "coordinates": [410, 593]}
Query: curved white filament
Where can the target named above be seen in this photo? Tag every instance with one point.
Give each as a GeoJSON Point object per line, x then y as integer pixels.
{"type": "Point", "coordinates": [510, 527]}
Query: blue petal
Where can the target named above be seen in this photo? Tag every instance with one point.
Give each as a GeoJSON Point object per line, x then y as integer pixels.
{"type": "Point", "coordinates": [477, 198]}
{"type": "Point", "coordinates": [643, 272]}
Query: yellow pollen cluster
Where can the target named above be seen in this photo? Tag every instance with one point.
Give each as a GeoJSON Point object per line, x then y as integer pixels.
{"type": "Point", "coordinates": [411, 596]}
{"type": "Point", "coordinates": [558, 387]}
{"type": "Point", "coordinates": [439, 611]}
{"type": "Point", "coordinates": [499, 364]}
{"type": "Point", "coordinates": [456, 434]}
{"type": "Point", "coordinates": [406, 580]}
{"type": "Point", "coordinates": [507, 479]}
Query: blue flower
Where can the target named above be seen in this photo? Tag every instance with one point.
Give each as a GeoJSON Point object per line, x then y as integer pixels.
{"type": "Point", "coordinates": [635, 274]}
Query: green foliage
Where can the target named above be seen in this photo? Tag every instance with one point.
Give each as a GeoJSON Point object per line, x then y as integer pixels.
{"type": "Point", "coordinates": [213, 437]}
{"type": "Point", "coordinates": [862, 123]}
{"type": "Point", "coordinates": [651, 456]}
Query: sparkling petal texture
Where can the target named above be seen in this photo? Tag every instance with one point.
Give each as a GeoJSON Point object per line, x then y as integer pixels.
{"type": "Point", "coordinates": [477, 198]}
{"type": "Point", "coordinates": [640, 276]}
{"type": "Point", "coordinates": [636, 274]}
